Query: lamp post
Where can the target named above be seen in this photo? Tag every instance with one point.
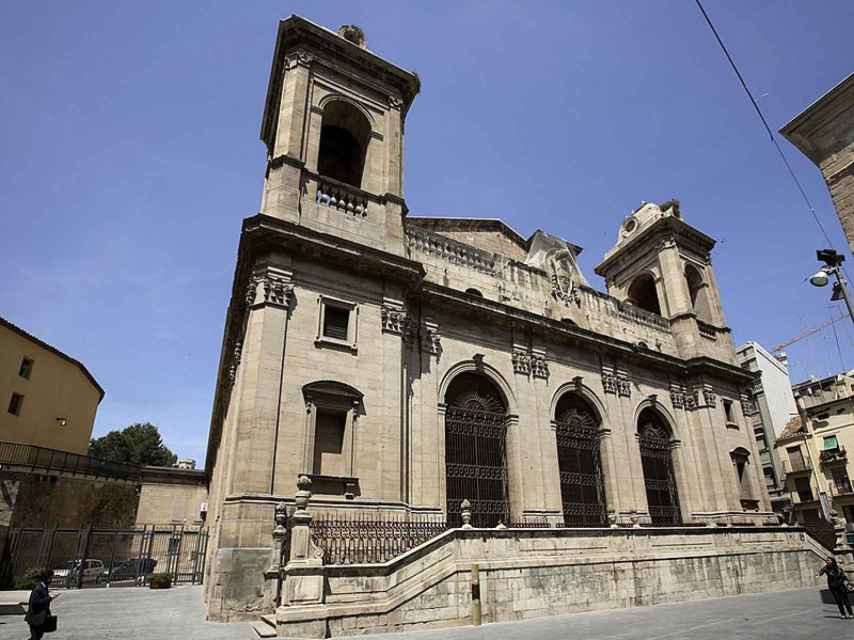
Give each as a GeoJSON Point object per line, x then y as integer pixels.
{"type": "Point", "coordinates": [832, 263]}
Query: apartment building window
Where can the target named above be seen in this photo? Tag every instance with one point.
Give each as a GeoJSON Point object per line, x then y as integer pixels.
{"type": "Point", "coordinates": [802, 486]}
{"type": "Point", "coordinates": [26, 368]}
{"type": "Point", "coordinates": [841, 482]}
{"type": "Point", "coordinates": [337, 322]}
{"type": "Point", "coordinates": [770, 479]}
{"type": "Point", "coordinates": [15, 403]}
{"type": "Point", "coordinates": [796, 458]}
{"type": "Point", "coordinates": [830, 444]}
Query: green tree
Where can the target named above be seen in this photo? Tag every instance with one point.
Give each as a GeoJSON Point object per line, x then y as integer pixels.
{"type": "Point", "coordinates": [136, 444]}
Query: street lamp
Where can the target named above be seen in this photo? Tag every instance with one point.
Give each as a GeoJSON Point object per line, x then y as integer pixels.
{"type": "Point", "coordinates": [832, 263]}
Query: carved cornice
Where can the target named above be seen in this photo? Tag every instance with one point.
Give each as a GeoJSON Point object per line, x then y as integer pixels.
{"type": "Point", "coordinates": [678, 395]}
{"type": "Point", "coordinates": [430, 340]}
{"type": "Point", "coordinates": [616, 382]}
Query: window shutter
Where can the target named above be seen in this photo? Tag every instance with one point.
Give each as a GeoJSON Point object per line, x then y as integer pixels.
{"type": "Point", "coordinates": [335, 322]}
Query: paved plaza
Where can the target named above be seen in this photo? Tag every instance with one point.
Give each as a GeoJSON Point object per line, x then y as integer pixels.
{"type": "Point", "coordinates": [137, 614]}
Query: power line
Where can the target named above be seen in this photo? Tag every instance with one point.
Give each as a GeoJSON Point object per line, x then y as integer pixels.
{"type": "Point", "coordinates": [765, 123]}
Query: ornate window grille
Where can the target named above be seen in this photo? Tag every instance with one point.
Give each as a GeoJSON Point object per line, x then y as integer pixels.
{"type": "Point", "coordinates": [657, 461]}
{"type": "Point", "coordinates": [475, 452]}
{"type": "Point", "coordinates": [581, 487]}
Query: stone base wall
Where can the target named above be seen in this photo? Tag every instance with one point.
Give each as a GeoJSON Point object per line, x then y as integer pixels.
{"type": "Point", "coordinates": [34, 500]}
{"type": "Point", "coordinates": [538, 572]}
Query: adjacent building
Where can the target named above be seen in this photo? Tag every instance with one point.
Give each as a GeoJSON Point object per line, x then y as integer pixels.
{"type": "Point", "coordinates": [814, 449]}
{"type": "Point", "coordinates": [771, 408]}
{"type": "Point", "coordinates": [824, 133]}
{"type": "Point", "coordinates": [403, 366]}
{"type": "Point", "coordinates": [49, 398]}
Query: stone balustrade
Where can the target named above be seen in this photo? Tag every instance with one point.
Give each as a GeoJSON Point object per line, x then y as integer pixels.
{"type": "Point", "coordinates": [345, 198]}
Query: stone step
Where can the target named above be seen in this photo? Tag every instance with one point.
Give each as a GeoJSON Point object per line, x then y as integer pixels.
{"type": "Point", "coordinates": [263, 629]}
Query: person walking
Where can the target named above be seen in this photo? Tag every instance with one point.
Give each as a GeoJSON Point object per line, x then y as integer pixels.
{"type": "Point", "coordinates": [837, 582]}
{"type": "Point", "coordinates": [38, 609]}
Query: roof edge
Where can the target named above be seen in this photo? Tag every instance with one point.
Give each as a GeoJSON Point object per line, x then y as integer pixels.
{"type": "Point", "coordinates": [55, 351]}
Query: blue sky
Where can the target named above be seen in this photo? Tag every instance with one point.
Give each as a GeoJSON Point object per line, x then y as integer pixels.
{"type": "Point", "coordinates": [129, 155]}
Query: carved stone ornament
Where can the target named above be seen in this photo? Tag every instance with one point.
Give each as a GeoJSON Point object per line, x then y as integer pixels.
{"type": "Point", "coordinates": [393, 320]}
{"type": "Point", "coordinates": [609, 382]}
{"type": "Point", "coordinates": [235, 361]}
{"type": "Point", "coordinates": [296, 58]}
{"type": "Point", "coordinates": [303, 495]}
{"type": "Point", "coordinates": [526, 362]}
{"type": "Point", "coordinates": [521, 362]}
{"type": "Point", "coordinates": [677, 395]}
{"type": "Point", "coordinates": [430, 340]}
{"type": "Point", "coordinates": [624, 387]}
{"type": "Point", "coordinates": [269, 288]}
{"type": "Point", "coordinates": [395, 102]}
{"type": "Point", "coordinates": [748, 404]}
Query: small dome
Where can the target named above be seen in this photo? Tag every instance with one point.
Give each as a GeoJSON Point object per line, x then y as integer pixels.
{"type": "Point", "coordinates": [354, 34]}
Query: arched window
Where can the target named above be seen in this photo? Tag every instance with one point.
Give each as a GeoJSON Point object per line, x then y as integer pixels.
{"type": "Point", "coordinates": [642, 293]}
{"type": "Point", "coordinates": [581, 488]}
{"type": "Point", "coordinates": [699, 293]}
{"type": "Point", "coordinates": [475, 453]}
{"type": "Point", "coordinates": [344, 137]}
{"type": "Point", "coordinates": [657, 461]}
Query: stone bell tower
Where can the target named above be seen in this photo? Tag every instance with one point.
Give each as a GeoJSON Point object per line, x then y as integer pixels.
{"type": "Point", "coordinates": [663, 265]}
{"type": "Point", "coordinates": [333, 126]}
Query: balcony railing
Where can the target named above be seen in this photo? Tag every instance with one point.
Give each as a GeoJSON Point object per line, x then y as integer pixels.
{"type": "Point", "coordinates": [829, 456]}
{"type": "Point", "coordinates": [844, 489]}
{"type": "Point", "coordinates": [23, 456]}
{"type": "Point", "coordinates": [797, 467]}
{"type": "Point", "coordinates": [343, 197]}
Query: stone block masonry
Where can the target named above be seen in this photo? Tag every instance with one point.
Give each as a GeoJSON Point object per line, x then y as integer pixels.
{"type": "Point", "coordinates": [527, 573]}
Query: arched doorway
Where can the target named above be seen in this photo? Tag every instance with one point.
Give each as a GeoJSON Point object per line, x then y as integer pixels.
{"type": "Point", "coordinates": [658, 476]}
{"type": "Point", "coordinates": [582, 490]}
{"type": "Point", "coordinates": [475, 451]}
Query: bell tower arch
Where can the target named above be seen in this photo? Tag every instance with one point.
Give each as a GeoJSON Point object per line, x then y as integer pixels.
{"type": "Point", "coordinates": [333, 125]}
{"type": "Point", "coordinates": [662, 265]}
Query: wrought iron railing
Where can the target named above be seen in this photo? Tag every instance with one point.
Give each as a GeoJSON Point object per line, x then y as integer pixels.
{"type": "Point", "coordinates": [25, 455]}
{"type": "Point", "coordinates": [365, 538]}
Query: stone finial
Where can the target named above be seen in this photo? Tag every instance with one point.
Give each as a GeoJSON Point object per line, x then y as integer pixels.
{"type": "Point", "coordinates": [304, 494]}
{"type": "Point", "coordinates": [354, 34]}
{"type": "Point", "coordinates": [465, 513]}
{"type": "Point", "coordinates": [500, 525]}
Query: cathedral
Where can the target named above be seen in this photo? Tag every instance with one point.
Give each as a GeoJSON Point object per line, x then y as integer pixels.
{"type": "Point", "coordinates": [452, 369]}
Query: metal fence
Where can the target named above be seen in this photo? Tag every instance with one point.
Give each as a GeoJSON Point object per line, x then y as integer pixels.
{"type": "Point", "coordinates": [30, 458]}
{"type": "Point", "coordinates": [356, 538]}
{"type": "Point", "coordinates": [106, 557]}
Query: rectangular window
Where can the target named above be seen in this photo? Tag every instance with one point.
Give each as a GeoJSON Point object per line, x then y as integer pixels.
{"type": "Point", "coordinates": [830, 443]}
{"type": "Point", "coordinates": [802, 486]}
{"type": "Point", "coordinates": [770, 480]}
{"type": "Point", "coordinates": [336, 322]}
{"type": "Point", "coordinates": [728, 410]}
{"type": "Point", "coordinates": [841, 482]}
{"type": "Point", "coordinates": [26, 368]}
{"type": "Point", "coordinates": [15, 403]}
{"type": "Point", "coordinates": [329, 454]}
{"type": "Point", "coordinates": [796, 459]}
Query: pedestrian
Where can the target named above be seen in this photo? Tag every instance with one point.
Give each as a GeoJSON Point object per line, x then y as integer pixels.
{"type": "Point", "coordinates": [837, 582]}
{"type": "Point", "coordinates": [38, 609]}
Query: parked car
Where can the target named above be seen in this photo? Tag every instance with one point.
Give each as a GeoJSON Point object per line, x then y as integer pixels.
{"type": "Point", "coordinates": [69, 572]}
{"type": "Point", "coordinates": [129, 569]}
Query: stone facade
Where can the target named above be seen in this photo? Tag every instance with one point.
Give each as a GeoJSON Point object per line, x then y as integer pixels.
{"type": "Point", "coordinates": [172, 495]}
{"type": "Point", "coordinates": [373, 351]}
{"type": "Point", "coordinates": [824, 133]}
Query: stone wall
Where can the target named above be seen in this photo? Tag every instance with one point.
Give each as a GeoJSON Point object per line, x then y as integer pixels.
{"type": "Point", "coordinates": [539, 572]}
{"type": "Point", "coordinates": [33, 500]}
